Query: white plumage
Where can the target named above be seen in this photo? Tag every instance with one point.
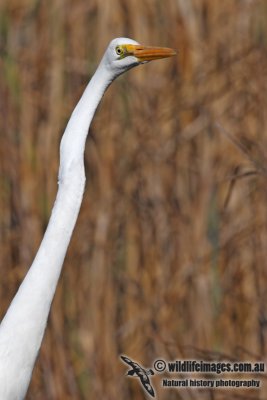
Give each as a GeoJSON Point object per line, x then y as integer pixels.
{"type": "Point", "coordinates": [23, 326]}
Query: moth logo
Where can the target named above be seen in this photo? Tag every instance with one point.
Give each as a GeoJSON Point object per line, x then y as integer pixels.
{"type": "Point", "coordinates": [141, 373]}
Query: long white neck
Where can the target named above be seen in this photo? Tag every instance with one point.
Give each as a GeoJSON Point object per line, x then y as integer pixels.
{"type": "Point", "coordinates": [23, 326]}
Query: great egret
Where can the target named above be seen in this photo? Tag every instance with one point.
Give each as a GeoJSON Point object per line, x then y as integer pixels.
{"type": "Point", "coordinates": [23, 326]}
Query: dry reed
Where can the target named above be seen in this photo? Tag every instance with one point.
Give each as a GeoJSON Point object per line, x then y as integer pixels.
{"type": "Point", "coordinates": [168, 258]}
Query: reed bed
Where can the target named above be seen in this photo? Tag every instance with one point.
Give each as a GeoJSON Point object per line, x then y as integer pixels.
{"type": "Point", "coordinates": [168, 258]}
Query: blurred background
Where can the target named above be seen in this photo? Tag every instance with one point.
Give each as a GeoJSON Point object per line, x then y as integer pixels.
{"type": "Point", "coordinates": [169, 255]}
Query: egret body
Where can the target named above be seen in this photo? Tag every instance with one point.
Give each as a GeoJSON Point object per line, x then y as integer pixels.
{"type": "Point", "coordinates": [23, 326]}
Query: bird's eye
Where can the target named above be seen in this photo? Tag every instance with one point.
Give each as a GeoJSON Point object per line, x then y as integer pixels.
{"type": "Point", "coordinates": [119, 50]}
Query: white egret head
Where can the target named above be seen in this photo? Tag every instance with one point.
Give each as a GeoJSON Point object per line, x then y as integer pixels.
{"type": "Point", "coordinates": [124, 53]}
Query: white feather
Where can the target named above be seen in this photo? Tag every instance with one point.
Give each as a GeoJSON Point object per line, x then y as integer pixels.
{"type": "Point", "coordinates": [23, 326]}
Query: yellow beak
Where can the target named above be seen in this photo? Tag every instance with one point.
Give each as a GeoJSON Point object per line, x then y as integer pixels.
{"type": "Point", "coordinates": [149, 53]}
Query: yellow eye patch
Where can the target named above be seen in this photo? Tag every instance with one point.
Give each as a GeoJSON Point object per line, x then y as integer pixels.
{"type": "Point", "coordinates": [120, 50]}
{"type": "Point", "coordinates": [124, 50]}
